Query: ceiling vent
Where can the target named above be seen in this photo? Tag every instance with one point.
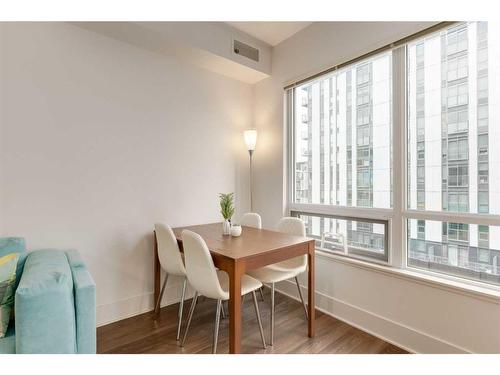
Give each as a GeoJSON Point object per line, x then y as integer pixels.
{"type": "Point", "coordinates": [245, 50]}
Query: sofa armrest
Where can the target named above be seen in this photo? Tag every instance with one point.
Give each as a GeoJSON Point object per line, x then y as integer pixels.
{"type": "Point", "coordinates": [44, 305]}
{"type": "Point", "coordinates": [85, 304]}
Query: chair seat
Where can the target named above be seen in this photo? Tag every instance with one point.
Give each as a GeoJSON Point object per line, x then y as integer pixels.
{"type": "Point", "coordinates": [275, 273]}
{"type": "Point", "coordinates": [248, 284]}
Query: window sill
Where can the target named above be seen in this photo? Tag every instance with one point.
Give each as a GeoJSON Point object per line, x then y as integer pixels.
{"type": "Point", "coordinates": [484, 293]}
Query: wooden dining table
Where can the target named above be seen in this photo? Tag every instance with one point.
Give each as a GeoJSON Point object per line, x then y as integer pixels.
{"type": "Point", "coordinates": [236, 255]}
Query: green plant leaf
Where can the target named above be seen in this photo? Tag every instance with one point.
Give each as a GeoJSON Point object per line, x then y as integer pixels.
{"type": "Point", "coordinates": [226, 205]}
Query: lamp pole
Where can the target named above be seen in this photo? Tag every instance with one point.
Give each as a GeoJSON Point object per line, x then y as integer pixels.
{"type": "Point", "coordinates": [250, 152]}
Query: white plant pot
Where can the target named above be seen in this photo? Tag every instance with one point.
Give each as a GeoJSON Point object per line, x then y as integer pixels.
{"type": "Point", "coordinates": [235, 230]}
{"type": "Point", "coordinates": [226, 228]}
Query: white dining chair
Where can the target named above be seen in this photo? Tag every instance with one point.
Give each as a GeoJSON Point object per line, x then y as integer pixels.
{"type": "Point", "coordinates": [171, 262]}
{"type": "Point", "coordinates": [211, 282]}
{"type": "Point", "coordinates": [251, 219]}
{"type": "Point", "coordinates": [286, 269]}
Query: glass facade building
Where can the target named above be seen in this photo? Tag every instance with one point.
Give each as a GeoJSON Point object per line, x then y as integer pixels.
{"type": "Point", "coordinates": [343, 156]}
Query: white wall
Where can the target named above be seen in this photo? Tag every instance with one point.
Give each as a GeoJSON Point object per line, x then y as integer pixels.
{"type": "Point", "coordinates": [400, 309]}
{"type": "Point", "coordinates": [100, 139]}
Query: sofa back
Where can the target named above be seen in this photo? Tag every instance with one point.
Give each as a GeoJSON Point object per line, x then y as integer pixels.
{"type": "Point", "coordinates": [17, 245]}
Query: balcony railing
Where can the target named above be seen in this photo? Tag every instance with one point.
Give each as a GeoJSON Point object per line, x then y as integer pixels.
{"type": "Point", "coordinates": [468, 265]}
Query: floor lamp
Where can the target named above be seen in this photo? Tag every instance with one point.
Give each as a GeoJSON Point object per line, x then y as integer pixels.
{"type": "Point", "coordinates": [250, 137]}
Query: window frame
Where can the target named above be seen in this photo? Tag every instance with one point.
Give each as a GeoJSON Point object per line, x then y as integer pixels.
{"type": "Point", "coordinates": [358, 254]}
{"type": "Point", "coordinates": [398, 216]}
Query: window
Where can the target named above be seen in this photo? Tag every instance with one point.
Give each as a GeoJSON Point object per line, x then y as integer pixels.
{"type": "Point", "coordinates": [341, 179]}
{"type": "Point", "coordinates": [482, 117]}
{"type": "Point", "coordinates": [482, 59]}
{"type": "Point", "coordinates": [457, 201]}
{"type": "Point", "coordinates": [457, 68]}
{"type": "Point", "coordinates": [458, 95]}
{"type": "Point", "coordinates": [458, 149]}
{"type": "Point", "coordinates": [457, 40]}
{"type": "Point", "coordinates": [483, 174]}
{"type": "Point", "coordinates": [363, 116]}
{"type": "Point", "coordinates": [365, 178]}
{"type": "Point", "coordinates": [483, 236]}
{"type": "Point", "coordinates": [458, 121]}
{"type": "Point", "coordinates": [364, 95]}
{"type": "Point", "coordinates": [483, 202]}
{"type": "Point", "coordinates": [421, 229]}
{"type": "Point", "coordinates": [365, 157]}
{"type": "Point", "coordinates": [459, 249]}
{"type": "Point", "coordinates": [358, 239]}
{"type": "Point", "coordinates": [364, 136]}
{"type": "Point", "coordinates": [458, 232]}
{"type": "Point", "coordinates": [364, 74]}
{"type": "Point", "coordinates": [458, 176]}
{"type": "Point", "coordinates": [482, 147]}
{"type": "Point", "coordinates": [482, 88]}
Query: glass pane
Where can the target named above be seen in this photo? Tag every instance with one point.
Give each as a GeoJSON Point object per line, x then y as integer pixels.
{"type": "Point", "coordinates": [466, 250]}
{"type": "Point", "coordinates": [343, 136]}
{"type": "Point", "coordinates": [349, 237]}
{"type": "Point", "coordinates": [453, 161]}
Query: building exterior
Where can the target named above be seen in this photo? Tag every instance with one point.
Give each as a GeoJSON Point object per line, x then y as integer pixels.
{"type": "Point", "coordinates": [343, 142]}
{"type": "Point", "coordinates": [344, 148]}
{"type": "Point", "coordinates": [450, 150]}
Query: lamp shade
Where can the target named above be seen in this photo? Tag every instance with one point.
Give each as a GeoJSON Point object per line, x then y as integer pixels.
{"type": "Point", "coordinates": [250, 137]}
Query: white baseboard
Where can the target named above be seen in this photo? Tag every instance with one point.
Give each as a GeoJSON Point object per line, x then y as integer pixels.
{"type": "Point", "coordinates": [126, 308]}
{"type": "Point", "coordinates": [395, 333]}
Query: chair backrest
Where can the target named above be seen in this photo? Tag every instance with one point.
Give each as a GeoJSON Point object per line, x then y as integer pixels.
{"type": "Point", "coordinates": [251, 219]}
{"type": "Point", "coordinates": [200, 268]}
{"type": "Point", "coordinates": [168, 250]}
{"type": "Point", "coordinates": [295, 227]}
{"type": "Point", "coordinates": [292, 225]}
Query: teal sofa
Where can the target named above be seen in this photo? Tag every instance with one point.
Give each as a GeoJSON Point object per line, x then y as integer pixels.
{"type": "Point", "coordinates": [54, 302]}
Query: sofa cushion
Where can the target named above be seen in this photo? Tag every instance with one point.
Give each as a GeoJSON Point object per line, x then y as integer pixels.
{"type": "Point", "coordinates": [8, 343]}
{"type": "Point", "coordinates": [16, 245]}
{"type": "Point", "coordinates": [45, 294]}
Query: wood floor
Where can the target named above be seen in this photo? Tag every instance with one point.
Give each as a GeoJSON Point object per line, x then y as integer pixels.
{"type": "Point", "coordinates": [143, 334]}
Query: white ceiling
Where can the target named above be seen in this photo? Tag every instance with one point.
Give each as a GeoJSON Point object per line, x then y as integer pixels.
{"type": "Point", "coordinates": [272, 33]}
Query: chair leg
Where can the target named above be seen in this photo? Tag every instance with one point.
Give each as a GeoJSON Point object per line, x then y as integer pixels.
{"type": "Point", "coordinates": [272, 314]}
{"type": "Point", "coordinates": [216, 326]}
{"type": "Point", "coordinates": [223, 310]}
{"type": "Point", "coordinates": [261, 294]}
{"type": "Point", "coordinates": [191, 311]}
{"type": "Point", "coordinates": [157, 306]}
{"type": "Point", "coordinates": [256, 305]}
{"type": "Point", "coordinates": [243, 299]}
{"type": "Point", "coordinates": [181, 309]}
{"type": "Point", "coordinates": [301, 298]}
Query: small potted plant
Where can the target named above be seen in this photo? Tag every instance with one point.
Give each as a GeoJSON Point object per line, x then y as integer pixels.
{"type": "Point", "coordinates": [227, 211]}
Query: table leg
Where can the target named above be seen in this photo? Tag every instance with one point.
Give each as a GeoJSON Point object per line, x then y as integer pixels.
{"type": "Point", "coordinates": [156, 270]}
{"type": "Point", "coordinates": [311, 290]}
{"type": "Point", "coordinates": [235, 272]}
